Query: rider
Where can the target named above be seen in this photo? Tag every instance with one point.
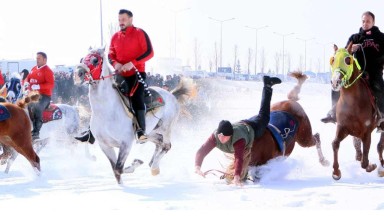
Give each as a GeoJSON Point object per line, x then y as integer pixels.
{"type": "Point", "coordinates": [237, 138]}
{"type": "Point", "coordinates": [24, 74]}
{"type": "Point", "coordinates": [368, 48]}
{"type": "Point", "coordinates": [40, 79]}
{"type": "Point", "coordinates": [130, 48]}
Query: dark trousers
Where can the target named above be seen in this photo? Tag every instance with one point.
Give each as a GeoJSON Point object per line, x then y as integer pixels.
{"type": "Point", "coordinates": [38, 107]}
{"type": "Point", "coordinates": [260, 122]}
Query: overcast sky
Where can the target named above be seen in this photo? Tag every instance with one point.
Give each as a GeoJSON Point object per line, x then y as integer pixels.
{"type": "Point", "coordinates": [66, 29]}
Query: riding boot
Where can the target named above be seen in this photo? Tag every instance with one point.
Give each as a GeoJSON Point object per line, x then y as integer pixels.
{"type": "Point", "coordinates": [86, 136]}
{"type": "Point", "coordinates": [141, 135]}
{"type": "Point", "coordinates": [270, 81]}
{"type": "Point", "coordinates": [380, 122]}
{"type": "Point", "coordinates": [37, 124]}
{"type": "Point", "coordinates": [331, 115]}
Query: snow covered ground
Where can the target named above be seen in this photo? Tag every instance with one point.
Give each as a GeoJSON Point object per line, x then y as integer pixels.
{"type": "Point", "coordinates": [70, 182]}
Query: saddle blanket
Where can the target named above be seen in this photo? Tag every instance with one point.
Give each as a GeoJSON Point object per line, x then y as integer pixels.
{"type": "Point", "coordinates": [52, 113]}
{"type": "Point", "coordinates": [4, 113]}
{"type": "Point", "coordinates": [283, 127]}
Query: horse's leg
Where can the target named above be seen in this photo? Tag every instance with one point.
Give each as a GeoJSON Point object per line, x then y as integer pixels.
{"type": "Point", "coordinates": [111, 155]}
{"type": "Point", "coordinates": [365, 161]}
{"type": "Point", "coordinates": [163, 145]}
{"type": "Point", "coordinates": [7, 153]}
{"type": "Point", "coordinates": [13, 157]}
{"type": "Point", "coordinates": [335, 146]}
{"type": "Point", "coordinates": [380, 148]}
{"type": "Point", "coordinates": [322, 159]}
{"type": "Point", "coordinates": [357, 144]}
{"type": "Point", "coordinates": [23, 145]}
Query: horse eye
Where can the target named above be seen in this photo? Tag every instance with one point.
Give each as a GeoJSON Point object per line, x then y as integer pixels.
{"type": "Point", "coordinates": [332, 60]}
{"type": "Point", "coordinates": [94, 60]}
{"type": "Point", "coordinates": [348, 60]}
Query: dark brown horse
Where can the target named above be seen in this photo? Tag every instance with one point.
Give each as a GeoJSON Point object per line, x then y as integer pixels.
{"type": "Point", "coordinates": [15, 132]}
{"type": "Point", "coordinates": [266, 147]}
{"type": "Point", "coordinates": [356, 114]}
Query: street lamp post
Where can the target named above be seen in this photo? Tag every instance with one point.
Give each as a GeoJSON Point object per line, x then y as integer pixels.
{"type": "Point", "coordinates": [283, 36]}
{"type": "Point", "coordinates": [305, 51]}
{"type": "Point", "coordinates": [101, 23]}
{"type": "Point", "coordinates": [175, 12]}
{"type": "Point", "coordinates": [221, 36]}
{"type": "Point", "coordinates": [256, 31]}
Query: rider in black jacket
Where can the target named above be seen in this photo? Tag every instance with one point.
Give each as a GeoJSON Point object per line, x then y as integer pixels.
{"type": "Point", "coordinates": [368, 48]}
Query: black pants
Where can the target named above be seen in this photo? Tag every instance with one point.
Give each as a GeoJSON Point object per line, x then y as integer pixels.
{"type": "Point", "coordinates": [260, 122]}
{"type": "Point", "coordinates": [127, 84]}
{"type": "Point", "coordinates": [38, 107]}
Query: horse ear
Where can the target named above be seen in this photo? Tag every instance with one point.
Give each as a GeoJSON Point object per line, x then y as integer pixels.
{"type": "Point", "coordinates": [335, 47]}
{"type": "Point", "coordinates": [349, 47]}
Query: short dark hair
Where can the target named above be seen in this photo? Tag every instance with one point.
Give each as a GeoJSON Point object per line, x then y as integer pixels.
{"type": "Point", "coordinates": [370, 14]}
{"type": "Point", "coordinates": [42, 54]}
{"type": "Point", "coordinates": [125, 11]}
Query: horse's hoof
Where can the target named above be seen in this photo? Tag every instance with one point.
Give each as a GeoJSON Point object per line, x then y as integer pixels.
{"type": "Point", "coordinates": [324, 162]}
{"type": "Point", "coordinates": [155, 171]}
{"type": "Point", "coordinates": [371, 167]}
{"type": "Point", "coordinates": [336, 175]}
{"type": "Point", "coordinates": [380, 171]}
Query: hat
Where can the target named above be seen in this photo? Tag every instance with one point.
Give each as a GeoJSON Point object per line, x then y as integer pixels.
{"type": "Point", "coordinates": [225, 127]}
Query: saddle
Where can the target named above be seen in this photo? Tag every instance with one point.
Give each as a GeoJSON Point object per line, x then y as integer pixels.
{"type": "Point", "coordinates": [4, 113]}
{"type": "Point", "coordinates": [283, 127]}
{"type": "Point", "coordinates": [53, 112]}
{"type": "Point", "coordinates": [152, 101]}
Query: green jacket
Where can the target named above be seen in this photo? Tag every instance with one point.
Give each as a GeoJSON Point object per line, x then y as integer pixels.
{"type": "Point", "coordinates": [240, 131]}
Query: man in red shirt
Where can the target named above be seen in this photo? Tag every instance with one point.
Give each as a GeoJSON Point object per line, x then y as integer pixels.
{"type": "Point", "coordinates": [130, 48]}
{"type": "Point", "coordinates": [40, 79]}
{"type": "Point", "coordinates": [237, 138]}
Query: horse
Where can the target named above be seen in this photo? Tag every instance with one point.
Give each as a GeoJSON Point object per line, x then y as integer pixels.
{"type": "Point", "coordinates": [60, 120]}
{"type": "Point", "coordinates": [356, 112]}
{"type": "Point", "coordinates": [282, 134]}
{"type": "Point", "coordinates": [112, 122]}
{"type": "Point", "coordinates": [15, 132]}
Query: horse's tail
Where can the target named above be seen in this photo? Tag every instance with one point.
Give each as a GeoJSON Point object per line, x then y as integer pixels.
{"type": "Point", "coordinates": [185, 89]}
{"type": "Point", "coordinates": [294, 93]}
{"type": "Point", "coordinates": [22, 103]}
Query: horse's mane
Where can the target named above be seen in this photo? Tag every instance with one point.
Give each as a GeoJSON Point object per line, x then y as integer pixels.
{"type": "Point", "coordinates": [31, 97]}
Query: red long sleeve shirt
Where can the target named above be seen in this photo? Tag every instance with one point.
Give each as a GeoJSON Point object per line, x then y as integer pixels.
{"type": "Point", "coordinates": [210, 144]}
{"type": "Point", "coordinates": [44, 77]}
{"type": "Point", "coordinates": [132, 45]}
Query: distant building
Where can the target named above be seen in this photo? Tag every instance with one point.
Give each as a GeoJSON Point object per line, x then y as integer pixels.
{"type": "Point", "coordinates": [16, 66]}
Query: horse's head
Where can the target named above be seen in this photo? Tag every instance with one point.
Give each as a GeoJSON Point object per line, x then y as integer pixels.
{"type": "Point", "coordinates": [342, 65]}
{"type": "Point", "coordinates": [90, 67]}
{"type": "Point", "coordinates": [13, 89]}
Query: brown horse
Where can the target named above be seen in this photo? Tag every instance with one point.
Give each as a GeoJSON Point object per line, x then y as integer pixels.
{"type": "Point", "coordinates": [266, 147]}
{"type": "Point", "coordinates": [281, 142]}
{"type": "Point", "coordinates": [15, 132]}
{"type": "Point", "coordinates": [356, 114]}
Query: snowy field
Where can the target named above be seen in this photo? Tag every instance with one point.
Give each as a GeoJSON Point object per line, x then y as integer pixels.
{"type": "Point", "coordinates": [70, 182]}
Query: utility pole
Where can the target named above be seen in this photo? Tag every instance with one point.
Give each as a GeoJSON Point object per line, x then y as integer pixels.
{"type": "Point", "coordinates": [256, 31]}
{"type": "Point", "coordinates": [305, 51]}
{"type": "Point", "coordinates": [221, 36]}
{"type": "Point", "coordinates": [283, 36]}
{"type": "Point", "coordinates": [101, 24]}
{"type": "Point", "coordinates": [175, 12]}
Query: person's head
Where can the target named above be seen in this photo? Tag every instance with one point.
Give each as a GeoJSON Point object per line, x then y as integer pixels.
{"type": "Point", "coordinates": [224, 131]}
{"type": "Point", "coordinates": [24, 73]}
{"type": "Point", "coordinates": [368, 20]}
{"type": "Point", "coordinates": [125, 19]}
{"type": "Point", "coordinates": [41, 59]}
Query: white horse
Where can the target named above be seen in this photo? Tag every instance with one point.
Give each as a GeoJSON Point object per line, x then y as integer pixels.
{"type": "Point", "coordinates": [111, 122]}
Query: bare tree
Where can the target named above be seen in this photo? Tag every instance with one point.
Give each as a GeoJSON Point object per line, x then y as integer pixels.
{"type": "Point", "coordinates": [249, 61]}
{"type": "Point", "coordinates": [263, 60]}
{"type": "Point", "coordinates": [318, 65]}
{"type": "Point", "coordinates": [277, 63]}
{"type": "Point", "coordinates": [113, 28]}
{"type": "Point", "coordinates": [235, 55]}
{"type": "Point", "coordinates": [197, 54]}
{"type": "Point", "coordinates": [210, 64]}
{"type": "Point", "coordinates": [288, 62]}
{"type": "Point", "coordinates": [301, 63]}
{"type": "Point", "coordinates": [215, 56]}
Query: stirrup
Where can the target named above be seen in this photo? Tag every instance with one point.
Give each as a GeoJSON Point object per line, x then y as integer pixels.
{"type": "Point", "coordinates": [141, 137]}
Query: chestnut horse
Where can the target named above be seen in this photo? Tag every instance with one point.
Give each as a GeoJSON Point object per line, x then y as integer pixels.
{"type": "Point", "coordinates": [267, 147]}
{"type": "Point", "coordinates": [356, 112]}
{"type": "Point", "coordinates": [274, 143]}
{"type": "Point", "coordinates": [15, 132]}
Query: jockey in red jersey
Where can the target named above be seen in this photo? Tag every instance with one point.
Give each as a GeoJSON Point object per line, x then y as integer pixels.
{"type": "Point", "coordinates": [40, 79]}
